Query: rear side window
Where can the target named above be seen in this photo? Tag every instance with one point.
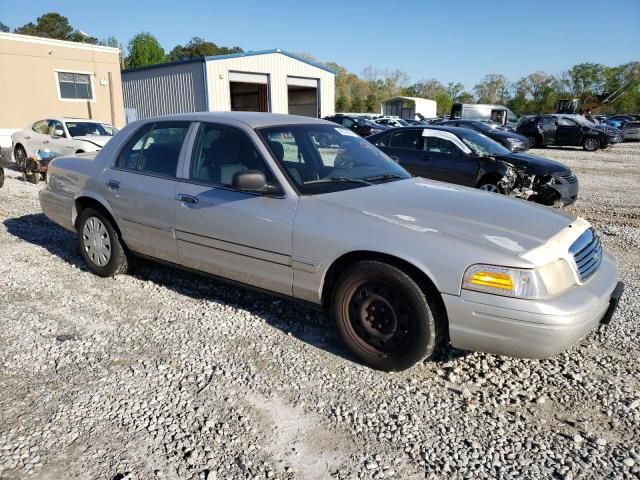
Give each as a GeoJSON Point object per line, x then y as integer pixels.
{"type": "Point", "coordinates": [155, 149]}
{"type": "Point", "coordinates": [41, 127]}
{"type": "Point", "coordinates": [409, 140]}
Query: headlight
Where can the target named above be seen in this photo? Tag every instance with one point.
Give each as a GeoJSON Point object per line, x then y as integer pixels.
{"type": "Point", "coordinates": [541, 282]}
{"type": "Point", "coordinates": [509, 282]}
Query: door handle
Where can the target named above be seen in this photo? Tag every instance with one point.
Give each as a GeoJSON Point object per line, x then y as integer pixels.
{"type": "Point", "coordinates": [181, 197]}
{"type": "Point", "coordinates": [425, 157]}
{"type": "Point", "coordinates": [113, 185]}
{"type": "Point", "coordinates": [46, 141]}
{"type": "Point", "coordinates": [27, 138]}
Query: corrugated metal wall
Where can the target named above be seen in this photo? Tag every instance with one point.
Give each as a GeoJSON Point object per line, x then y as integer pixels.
{"type": "Point", "coordinates": [278, 66]}
{"type": "Point", "coordinates": [166, 90]}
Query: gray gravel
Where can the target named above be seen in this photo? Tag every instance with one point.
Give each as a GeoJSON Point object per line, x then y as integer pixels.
{"type": "Point", "coordinates": [163, 374]}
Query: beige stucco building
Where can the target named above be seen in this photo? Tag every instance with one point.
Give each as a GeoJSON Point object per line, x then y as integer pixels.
{"type": "Point", "coordinates": [42, 77]}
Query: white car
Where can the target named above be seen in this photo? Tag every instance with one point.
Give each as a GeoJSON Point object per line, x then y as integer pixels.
{"type": "Point", "coordinates": [392, 122]}
{"type": "Point", "coordinates": [61, 136]}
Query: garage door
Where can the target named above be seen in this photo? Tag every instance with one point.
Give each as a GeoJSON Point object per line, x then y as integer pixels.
{"type": "Point", "coordinates": [302, 82]}
{"type": "Point", "coordinates": [248, 77]}
{"type": "Point", "coordinates": [303, 96]}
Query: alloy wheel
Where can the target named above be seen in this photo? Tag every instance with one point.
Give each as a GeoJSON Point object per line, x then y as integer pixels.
{"type": "Point", "coordinates": [490, 187]}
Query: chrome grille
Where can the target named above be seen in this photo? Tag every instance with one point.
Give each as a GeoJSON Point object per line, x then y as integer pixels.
{"type": "Point", "coordinates": [587, 254]}
{"type": "Point", "coordinates": [569, 177]}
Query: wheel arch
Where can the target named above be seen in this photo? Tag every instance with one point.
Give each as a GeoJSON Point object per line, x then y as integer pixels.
{"type": "Point", "coordinates": [342, 263]}
{"type": "Point", "coordinates": [85, 201]}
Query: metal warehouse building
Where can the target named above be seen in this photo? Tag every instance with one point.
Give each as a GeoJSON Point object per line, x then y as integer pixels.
{"type": "Point", "coordinates": [265, 81]}
{"type": "Point", "coordinates": [409, 107]}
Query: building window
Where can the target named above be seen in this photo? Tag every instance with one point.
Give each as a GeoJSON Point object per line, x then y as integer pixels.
{"type": "Point", "coordinates": [75, 86]}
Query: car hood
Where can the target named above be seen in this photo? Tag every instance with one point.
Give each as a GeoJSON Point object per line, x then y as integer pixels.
{"type": "Point", "coordinates": [532, 164]}
{"type": "Point", "coordinates": [99, 140]}
{"type": "Point", "coordinates": [422, 205]}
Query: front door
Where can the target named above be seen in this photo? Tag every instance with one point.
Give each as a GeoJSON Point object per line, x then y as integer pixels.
{"type": "Point", "coordinates": [60, 144]}
{"type": "Point", "coordinates": [447, 161]}
{"type": "Point", "coordinates": [237, 235]}
{"type": "Point", "coordinates": [141, 188]}
{"type": "Point", "coordinates": [568, 132]}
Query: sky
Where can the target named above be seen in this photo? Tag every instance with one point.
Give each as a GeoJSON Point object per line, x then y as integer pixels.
{"type": "Point", "coordinates": [454, 40]}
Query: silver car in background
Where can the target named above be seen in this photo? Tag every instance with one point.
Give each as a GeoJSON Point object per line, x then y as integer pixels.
{"type": "Point", "coordinates": [402, 264]}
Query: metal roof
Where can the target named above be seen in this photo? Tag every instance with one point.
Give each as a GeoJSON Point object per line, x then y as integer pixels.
{"type": "Point", "coordinates": [231, 55]}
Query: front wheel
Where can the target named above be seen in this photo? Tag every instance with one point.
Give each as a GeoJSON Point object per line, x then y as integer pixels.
{"type": "Point", "coordinates": [490, 187]}
{"type": "Point", "coordinates": [384, 317]}
{"type": "Point", "coordinates": [591, 144]}
{"type": "Point", "coordinates": [100, 244]}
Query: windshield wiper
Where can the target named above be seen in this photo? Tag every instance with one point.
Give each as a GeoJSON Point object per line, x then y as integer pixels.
{"type": "Point", "coordinates": [385, 176]}
{"type": "Point", "coordinates": [339, 180]}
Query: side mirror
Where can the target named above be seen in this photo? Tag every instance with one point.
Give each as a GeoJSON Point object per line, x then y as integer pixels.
{"type": "Point", "coordinates": [253, 181]}
{"type": "Point", "coordinates": [58, 133]}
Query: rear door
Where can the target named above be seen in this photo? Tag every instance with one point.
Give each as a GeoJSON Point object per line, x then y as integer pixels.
{"type": "Point", "coordinates": [141, 188]}
{"type": "Point", "coordinates": [447, 159]}
{"type": "Point", "coordinates": [60, 144]}
{"type": "Point", "coordinates": [405, 147]}
{"type": "Point", "coordinates": [547, 125]}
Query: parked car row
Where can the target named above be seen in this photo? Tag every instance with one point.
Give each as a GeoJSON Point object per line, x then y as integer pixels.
{"type": "Point", "coordinates": [567, 130]}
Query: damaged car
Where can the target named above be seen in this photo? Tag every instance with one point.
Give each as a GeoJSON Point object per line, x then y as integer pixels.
{"type": "Point", "coordinates": [465, 157]}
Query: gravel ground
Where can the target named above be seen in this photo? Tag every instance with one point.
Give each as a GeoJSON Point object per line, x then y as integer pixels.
{"type": "Point", "coordinates": [163, 374]}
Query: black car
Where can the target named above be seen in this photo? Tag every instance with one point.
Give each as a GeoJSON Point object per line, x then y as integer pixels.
{"type": "Point", "coordinates": [359, 125]}
{"type": "Point", "coordinates": [465, 157]}
{"type": "Point", "coordinates": [567, 131]}
{"type": "Point", "coordinates": [513, 141]}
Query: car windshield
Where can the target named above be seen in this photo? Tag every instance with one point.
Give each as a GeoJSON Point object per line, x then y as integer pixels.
{"type": "Point", "coordinates": [481, 144]}
{"type": "Point", "coordinates": [323, 158]}
{"type": "Point", "coordinates": [81, 129]}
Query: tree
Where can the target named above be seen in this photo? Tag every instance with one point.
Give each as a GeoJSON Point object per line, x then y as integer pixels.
{"type": "Point", "coordinates": [454, 89]}
{"type": "Point", "coordinates": [198, 47]}
{"type": "Point", "coordinates": [110, 42]}
{"type": "Point", "coordinates": [81, 37]}
{"type": "Point", "coordinates": [587, 79]}
{"type": "Point", "coordinates": [50, 25]}
{"type": "Point", "coordinates": [466, 97]}
{"type": "Point", "coordinates": [425, 89]}
{"type": "Point", "coordinates": [3, 27]}
{"type": "Point", "coordinates": [492, 88]}
{"type": "Point", "coordinates": [144, 49]}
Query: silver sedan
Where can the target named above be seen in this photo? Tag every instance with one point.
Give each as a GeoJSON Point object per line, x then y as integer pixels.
{"type": "Point", "coordinates": [307, 209]}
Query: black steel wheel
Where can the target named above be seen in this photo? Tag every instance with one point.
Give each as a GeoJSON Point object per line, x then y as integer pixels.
{"type": "Point", "coordinates": [384, 317]}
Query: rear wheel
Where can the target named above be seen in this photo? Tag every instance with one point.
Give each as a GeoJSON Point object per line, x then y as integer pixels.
{"type": "Point", "coordinates": [1, 177]}
{"type": "Point", "coordinates": [20, 155]}
{"type": "Point", "coordinates": [100, 244]}
{"type": "Point", "coordinates": [591, 144]}
{"type": "Point", "coordinates": [384, 317]}
{"type": "Point", "coordinates": [532, 141]}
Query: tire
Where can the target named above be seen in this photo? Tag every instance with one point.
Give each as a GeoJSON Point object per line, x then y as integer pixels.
{"type": "Point", "coordinates": [1, 177]}
{"type": "Point", "coordinates": [100, 244]}
{"type": "Point", "coordinates": [591, 144]}
{"type": "Point", "coordinates": [396, 339]}
{"type": "Point", "coordinates": [532, 142]}
{"type": "Point", "coordinates": [19, 153]}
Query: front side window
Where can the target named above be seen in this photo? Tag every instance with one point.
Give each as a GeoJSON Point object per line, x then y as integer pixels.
{"type": "Point", "coordinates": [220, 152]}
{"type": "Point", "coordinates": [155, 149]}
{"type": "Point", "coordinates": [440, 145]}
{"type": "Point", "coordinates": [82, 129]}
{"type": "Point", "coordinates": [547, 121]}
{"type": "Point", "coordinates": [75, 86]}
{"type": "Point", "coordinates": [565, 122]}
{"type": "Point", "coordinates": [322, 158]}
{"type": "Point", "coordinates": [41, 127]}
{"type": "Point", "coordinates": [55, 126]}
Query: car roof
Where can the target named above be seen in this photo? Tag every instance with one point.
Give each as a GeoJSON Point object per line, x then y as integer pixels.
{"type": "Point", "coordinates": [251, 119]}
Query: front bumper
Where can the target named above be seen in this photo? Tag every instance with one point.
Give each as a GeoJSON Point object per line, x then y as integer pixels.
{"type": "Point", "coordinates": [533, 328]}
